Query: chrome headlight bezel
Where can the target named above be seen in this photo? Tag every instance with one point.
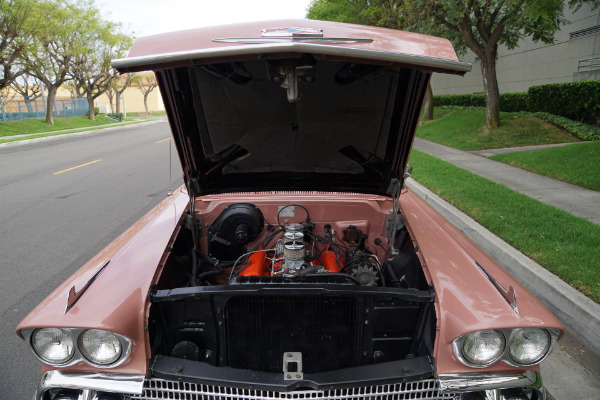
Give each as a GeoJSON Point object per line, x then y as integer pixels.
{"type": "Point", "coordinates": [65, 334]}
{"type": "Point", "coordinates": [75, 333]}
{"type": "Point", "coordinates": [458, 343]}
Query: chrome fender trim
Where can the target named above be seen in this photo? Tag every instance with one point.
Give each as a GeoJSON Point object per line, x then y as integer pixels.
{"type": "Point", "coordinates": [474, 381]}
{"type": "Point", "coordinates": [118, 383]}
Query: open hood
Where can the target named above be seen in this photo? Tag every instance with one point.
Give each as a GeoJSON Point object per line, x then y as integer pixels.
{"type": "Point", "coordinates": [312, 106]}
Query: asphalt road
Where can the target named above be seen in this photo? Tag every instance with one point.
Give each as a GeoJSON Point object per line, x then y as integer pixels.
{"type": "Point", "coordinates": [61, 202]}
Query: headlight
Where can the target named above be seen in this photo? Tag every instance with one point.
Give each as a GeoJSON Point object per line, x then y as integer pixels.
{"type": "Point", "coordinates": [482, 348]}
{"type": "Point", "coordinates": [53, 345]}
{"type": "Point", "coordinates": [529, 345]}
{"type": "Point", "coordinates": [100, 347]}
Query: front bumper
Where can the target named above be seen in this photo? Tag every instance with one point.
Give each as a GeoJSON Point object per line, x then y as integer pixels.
{"type": "Point", "coordinates": [57, 385]}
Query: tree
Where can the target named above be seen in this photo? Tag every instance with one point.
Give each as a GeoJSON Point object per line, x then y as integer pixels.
{"type": "Point", "coordinates": [16, 28]}
{"type": "Point", "coordinates": [485, 24]}
{"type": "Point", "coordinates": [29, 87]}
{"type": "Point", "coordinates": [91, 68]}
{"type": "Point", "coordinates": [146, 84]}
{"type": "Point", "coordinates": [119, 85]}
{"type": "Point", "coordinates": [391, 14]}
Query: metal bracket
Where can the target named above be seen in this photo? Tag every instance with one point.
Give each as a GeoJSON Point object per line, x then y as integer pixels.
{"type": "Point", "coordinates": [292, 366]}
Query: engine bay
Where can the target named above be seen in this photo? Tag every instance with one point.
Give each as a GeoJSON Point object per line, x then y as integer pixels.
{"type": "Point", "coordinates": [286, 243]}
{"type": "Point", "coordinates": [324, 279]}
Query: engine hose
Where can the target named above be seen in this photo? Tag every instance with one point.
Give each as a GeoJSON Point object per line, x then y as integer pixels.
{"type": "Point", "coordinates": [218, 265]}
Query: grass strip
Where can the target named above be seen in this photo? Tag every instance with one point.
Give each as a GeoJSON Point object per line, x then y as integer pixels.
{"type": "Point", "coordinates": [93, 128]}
{"type": "Point", "coordinates": [565, 245]}
{"type": "Point", "coordinates": [159, 113]}
{"type": "Point", "coordinates": [576, 164]}
{"type": "Point", "coordinates": [464, 130]}
{"type": "Point", "coordinates": [12, 128]}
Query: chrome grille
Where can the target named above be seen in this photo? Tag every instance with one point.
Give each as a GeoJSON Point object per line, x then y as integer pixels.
{"type": "Point", "coordinates": [162, 389]}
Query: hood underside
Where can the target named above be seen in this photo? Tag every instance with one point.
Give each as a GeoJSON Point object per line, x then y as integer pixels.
{"type": "Point", "coordinates": [336, 117]}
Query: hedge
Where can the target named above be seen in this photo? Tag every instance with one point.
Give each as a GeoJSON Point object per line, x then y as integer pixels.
{"type": "Point", "coordinates": [579, 129]}
{"type": "Point", "coordinates": [509, 102]}
{"type": "Point", "coordinates": [575, 100]}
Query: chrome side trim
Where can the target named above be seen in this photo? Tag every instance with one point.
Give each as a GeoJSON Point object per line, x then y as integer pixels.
{"type": "Point", "coordinates": [130, 64]}
{"type": "Point", "coordinates": [457, 383]}
{"type": "Point", "coordinates": [117, 383]}
{"type": "Point", "coordinates": [75, 295]}
{"type": "Point", "coordinates": [509, 295]}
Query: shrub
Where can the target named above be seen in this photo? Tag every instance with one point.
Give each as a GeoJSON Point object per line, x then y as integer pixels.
{"type": "Point", "coordinates": [579, 129]}
{"type": "Point", "coordinates": [575, 100]}
{"type": "Point", "coordinates": [509, 102]}
{"type": "Point", "coordinates": [514, 102]}
{"type": "Point", "coordinates": [462, 100]}
{"type": "Point", "coordinates": [96, 111]}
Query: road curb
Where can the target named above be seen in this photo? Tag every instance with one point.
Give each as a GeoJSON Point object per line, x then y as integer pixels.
{"type": "Point", "coordinates": [579, 315]}
{"type": "Point", "coordinates": [34, 139]}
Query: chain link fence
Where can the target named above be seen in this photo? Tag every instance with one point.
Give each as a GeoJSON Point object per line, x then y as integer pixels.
{"type": "Point", "coordinates": [20, 110]}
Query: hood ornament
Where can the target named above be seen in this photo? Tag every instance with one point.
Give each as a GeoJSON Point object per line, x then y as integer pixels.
{"type": "Point", "coordinates": [292, 32]}
{"type": "Point", "coordinates": [295, 34]}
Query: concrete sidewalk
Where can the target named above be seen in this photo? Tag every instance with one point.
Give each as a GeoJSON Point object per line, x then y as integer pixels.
{"type": "Point", "coordinates": [581, 202]}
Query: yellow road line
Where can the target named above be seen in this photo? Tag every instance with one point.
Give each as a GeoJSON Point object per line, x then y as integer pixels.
{"type": "Point", "coordinates": [79, 166]}
{"type": "Point", "coordinates": [164, 140]}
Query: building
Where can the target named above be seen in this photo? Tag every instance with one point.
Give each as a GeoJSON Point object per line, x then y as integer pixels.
{"type": "Point", "coordinates": [575, 55]}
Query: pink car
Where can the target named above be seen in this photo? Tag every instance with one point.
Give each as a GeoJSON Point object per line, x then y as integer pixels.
{"type": "Point", "coordinates": [293, 264]}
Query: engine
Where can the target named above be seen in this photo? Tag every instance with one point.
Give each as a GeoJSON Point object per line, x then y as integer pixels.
{"type": "Point", "coordinates": [289, 250]}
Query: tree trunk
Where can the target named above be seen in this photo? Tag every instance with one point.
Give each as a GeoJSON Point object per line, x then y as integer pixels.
{"type": "Point", "coordinates": [492, 94]}
{"type": "Point", "coordinates": [111, 96]}
{"type": "Point", "coordinates": [91, 113]}
{"type": "Point", "coordinates": [118, 101]}
{"type": "Point", "coordinates": [146, 101]}
{"type": "Point", "coordinates": [428, 104]}
{"type": "Point", "coordinates": [50, 99]}
{"type": "Point", "coordinates": [28, 104]}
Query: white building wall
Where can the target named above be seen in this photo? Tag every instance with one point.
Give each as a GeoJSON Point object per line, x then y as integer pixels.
{"type": "Point", "coordinates": [532, 64]}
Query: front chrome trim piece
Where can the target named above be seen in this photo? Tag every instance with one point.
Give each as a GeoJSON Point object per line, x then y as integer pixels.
{"type": "Point", "coordinates": [447, 386]}
{"type": "Point", "coordinates": [116, 383]}
{"type": "Point", "coordinates": [77, 357]}
{"type": "Point", "coordinates": [460, 383]}
{"type": "Point", "coordinates": [127, 64]}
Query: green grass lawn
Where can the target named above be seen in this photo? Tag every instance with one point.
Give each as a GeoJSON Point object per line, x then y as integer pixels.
{"type": "Point", "coordinates": [11, 128]}
{"type": "Point", "coordinates": [566, 245]}
{"type": "Point", "coordinates": [159, 113]}
{"type": "Point", "coordinates": [577, 163]}
{"type": "Point", "coordinates": [463, 129]}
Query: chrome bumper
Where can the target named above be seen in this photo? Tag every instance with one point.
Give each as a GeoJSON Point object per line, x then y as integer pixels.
{"type": "Point", "coordinates": [89, 383]}
{"type": "Point", "coordinates": [490, 385]}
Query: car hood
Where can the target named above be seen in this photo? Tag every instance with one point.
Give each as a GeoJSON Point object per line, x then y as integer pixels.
{"type": "Point", "coordinates": [314, 105]}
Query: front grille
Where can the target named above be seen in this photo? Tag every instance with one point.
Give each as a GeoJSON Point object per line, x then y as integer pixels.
{"type": "Point", "coordinates": [161, 389]}
{"type": "Point", "coordinates": [260, 329]}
